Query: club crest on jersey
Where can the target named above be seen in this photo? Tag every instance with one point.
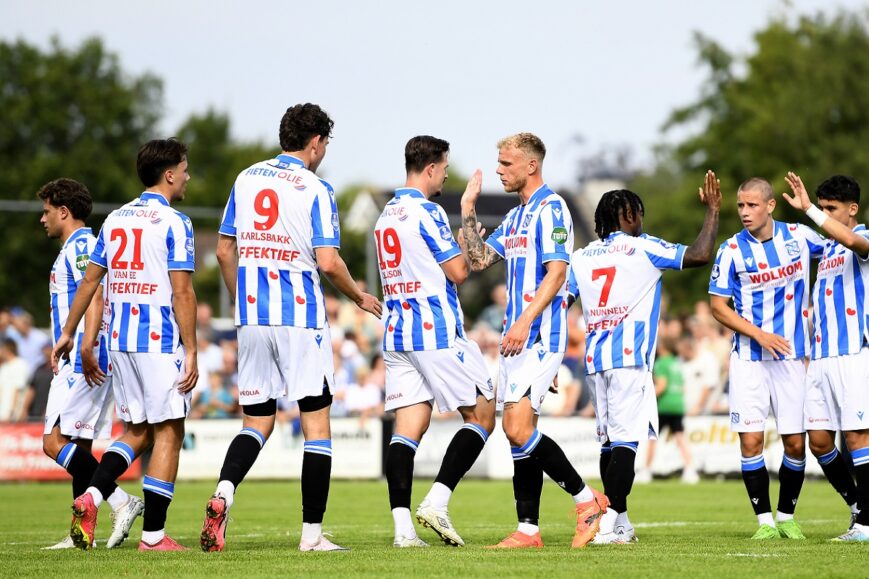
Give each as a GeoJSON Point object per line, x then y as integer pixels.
{"type": "Point", "coordinates": [189, 245]}
{"type": "Point", "coordinates": [335, 221]}
{"type": "Point", "coordinates": [527, 221]}
{"type": "Point", "coordinates": [716, 271]}
{"type": "Point", "coordinates": [445, 232]}
{"type": "Point", "coordinates": [734, 417]}
{"type": "Point", "coordinates": [793, 247]}
{"type": "Point", "coordinates": [559, 235]}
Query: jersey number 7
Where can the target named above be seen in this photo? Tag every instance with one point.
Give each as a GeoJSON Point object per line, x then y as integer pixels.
{"type": "Point", "coordinates": [610, 274]}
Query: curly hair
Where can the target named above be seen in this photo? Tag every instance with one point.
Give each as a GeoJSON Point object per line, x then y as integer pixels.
{"type": "Point", "coordinates": [611, 205]}
{"type": "Point", "coordinates": [68, 193]}
{"type": "Point", "coordinates": [839, 188]}
{"type": "Point", "coordinates": [301, 123]}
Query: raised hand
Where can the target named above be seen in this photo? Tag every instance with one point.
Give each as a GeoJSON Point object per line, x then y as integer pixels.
{"type": "Point", "coordinates": [473, 189]}
{"type": "Point", "coordinates": [710, 193]}
{"type": "Point", "coordinates": [800, 198]}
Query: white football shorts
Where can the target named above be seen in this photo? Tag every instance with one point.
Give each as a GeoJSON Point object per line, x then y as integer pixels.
{"type": "Point", "coordinates": [527, 374]}
{"type": "Point", "coordinates": [757, 386]}
{"type": "Point", "coordinates": [625, 405]}
{"type": "Point", "coordinates": [146, 386]}
{"type": "Point", "coordinates": [80, 411]}
{"type": "Point", "coordinates": [837, 393]}
{"type": "Point", "coordinates": [449, 376]}
{"type": "Point", "coordinates": [277, 361]}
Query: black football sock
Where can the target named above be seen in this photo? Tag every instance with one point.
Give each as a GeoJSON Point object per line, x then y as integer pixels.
{"type": "Point", "coordinates": [81, 466]}
{"type": "Point", "coordinates": [836, 470]}
{"type": "Point", "coordinates": [399, 470]}
{"type": "Point", "coordinates": [790, 477]}
{"type": "Point", "coordinates": [241, 454]}
{"type": "Point", "coordinates": [620, 475]}
{"type": "Point", "coordinates": [316, 474]}
{"type": "Point", "coordinates": [527, 487]}
{"type": "Point", "coordinates": [554, 463]}
{"type": "Point", "coordinates": [462, 453]}
{"type": "Point", "coordinates": [756, 480]}
{"type": "Point", "coordinates": [115, 462]}
{"type": "Point", "coordinates": [861, 471]}
{"type": "Point", "coordinates": [158, 496]}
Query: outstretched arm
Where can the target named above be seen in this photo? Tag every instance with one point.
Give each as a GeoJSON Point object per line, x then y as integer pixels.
{"type": "Point", "coordinates": [479, 255]}
{"type": "Point", "coordinates": [701, 251]}
{"type": "Point", "coordinates": [838, 231]}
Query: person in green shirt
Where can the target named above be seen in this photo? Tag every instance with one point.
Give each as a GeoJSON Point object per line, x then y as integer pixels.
{"type": "Point", "coordinates": [669, 384]}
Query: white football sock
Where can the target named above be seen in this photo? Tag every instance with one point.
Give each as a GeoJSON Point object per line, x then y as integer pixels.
{"type": "Point", "coordinates": [403, 523]}
{"type": "Point", "coordinates": [780, 516]}
{"type": "Point", "coordinates": [766, 519]}
{"type": "Point", "coordinates": [96, 494]}
{"type": "Point", "coordinates": [439, 496]}
{"type": "Point", "coordinates": [584, 495]}
{"type": "Point", "coordinates": [153, 537]}
{"type": "Point", "coordinates": [118, 498]}
{"type": "Point", "coordinates": [311, 532]}
{"type": "Point", "coordinates": [528, 529]}
{"type": "Point", "coordinates": [227, 490]}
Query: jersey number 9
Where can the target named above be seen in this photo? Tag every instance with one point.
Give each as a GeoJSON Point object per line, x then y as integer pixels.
{"type": "Point", "coordinates": [266, 205]}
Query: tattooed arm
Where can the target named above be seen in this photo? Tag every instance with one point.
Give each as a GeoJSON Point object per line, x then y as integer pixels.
{"type": "Point", "coordinates": [479, 255]}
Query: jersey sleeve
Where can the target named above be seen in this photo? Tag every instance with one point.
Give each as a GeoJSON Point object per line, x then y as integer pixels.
{"type": "Point", "coordinates": [98, 255]}
{"type": "Point", "coordinates": [572, 284]}
{"type": "Point", "coordinates": [180, 245]}
{"type": "Point", "coordinates": [227, 224]}
{"type": "Point", "coordinates": [324, 218]}
{"type": "Point", "coordinates": [864, 233]}
{"type": "Point", "coordinates": [436, 232]}
{"type": "Point", "coordinates": [813, 239]}
{"type": "Point", "coordinates": [553, 233]}
{"type": "Point", "coordinates": [722, 281]}
{"type": "Point", "coordinates": [495, 239]}
{"type": "Point", "coordinates": [662, 254]}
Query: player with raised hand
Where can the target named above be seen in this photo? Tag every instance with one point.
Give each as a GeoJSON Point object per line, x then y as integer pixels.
{"type": "Point", "coordinates": [427, 354]}
{"type": "Point", "coordinates": [79, 410]}
{"type": "Point", "coordinates": [618, 280]}
{"type": "Point", "coordinates": [146, 249]}
{"type": "Point", "coordinates": [280, 230]}
{"type": "Point", "coordinates": [535, 239]}
{"type": "Point", "coordinates": [836, 393]}
{"type": "Point", "coordinates": [764, 269]}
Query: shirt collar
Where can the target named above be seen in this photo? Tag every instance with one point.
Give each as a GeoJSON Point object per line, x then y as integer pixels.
{"type": "Point", "coordinates": [78, 233]}
{"type": "Point", "coordinates": [538, 195]}
{"type": "Point", "coordinates": [776, 231]}
{"type": "Point", "coordinates": [409, 192]}
{"type": "Point", "coordinates": [148, 196]}
{"type": "Point", "coordinates": [284, 161]}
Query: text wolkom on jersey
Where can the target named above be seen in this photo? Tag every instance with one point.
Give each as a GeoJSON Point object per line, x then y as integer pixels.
{"type": "Point", "coordinates": [839, 299]}
{"type": "Point", "coordinates": [618, 280]}
{"type": "Point", "coordinates": [279, 212]}
{"type": "Point", "coordinates": [139, 245]}
{"type": "Point", "coordinates": [66, 275]}
{"type": "Point", "coordinates": [767, 281]}
{"type": "Point", "coordinates": [413, 238]}
{"type": "Point", "coordinates": [530, 236]}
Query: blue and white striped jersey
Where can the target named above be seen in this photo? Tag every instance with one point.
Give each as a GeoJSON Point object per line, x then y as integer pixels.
{"type": "Point", "coordinates": [768, 283]}
{"type": "Point", "coordinates": [279, 212]}
{"type": "Point", "coordinates": [66, 275]}
{"type": "Point", "coordinates": [413, 238]}
{"type": "Point", "coordinates": [139, 244]}
{"type": "Point", "coordinates": [530, 236]}
{"type": "Point", "coordinates": [839, 300]}
{"type": "Point", "coordinates": [618, 281]}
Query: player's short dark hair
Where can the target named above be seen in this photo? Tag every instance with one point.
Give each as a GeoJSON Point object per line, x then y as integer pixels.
{"type": "Point", "coordinates": [839, 188]}
{"type": "Point", "coordinates": [10, 345]}
{"type": "Point", "coordinates": [758, 184]}
{"type": "Point", "coordinates": [156, 156]}
{"type": "Point", "coordinates": [611, 205]}
{"type": "Point", "coordinates": [422, 151]}
{"type": "Point", "coordinates": [301, 123]}
{"type": "Point", "coordinates": [68, 193]}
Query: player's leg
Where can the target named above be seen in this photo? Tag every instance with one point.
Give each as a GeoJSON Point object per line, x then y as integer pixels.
{"type": "Point", "coordinates": [411, 423]}
{"type": "Point", "coordinates": [822, 443]}
{"type": "Point", "coordinates": [115, 461]}
{"type": "Point", "coordinates": [461, 454]}
{"type": "Point", "coordinates": [316, 470]}
{"type": "Point", "coordinates": [519, 426]}
{"type": "Point", "coordinates": [159, 485]}
{"type": "Point", "coordinates": [858, 444]}
{"type": "Point", "coordinates": [75, 459]}
{"type": "Point", "coordinates": [787, 396]}
{"type": "Point", "coordinates": [756, 479]}
{"type": "Point", "coordinates": [257, 425]}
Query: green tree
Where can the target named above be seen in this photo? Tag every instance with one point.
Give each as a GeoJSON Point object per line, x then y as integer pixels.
{"type": "Point", "coordinates": [71, 113]}
{"type": "Point", "coordinates": [800, 102]}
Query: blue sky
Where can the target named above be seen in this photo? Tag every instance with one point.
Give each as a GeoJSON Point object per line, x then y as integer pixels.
{"type": "Point", "coordinates": [469, 72]}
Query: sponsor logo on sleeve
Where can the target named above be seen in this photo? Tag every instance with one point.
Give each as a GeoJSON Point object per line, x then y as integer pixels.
{"type": "Point", "coordinates": [559, 235]}
{"type": "Point", "coordinates": [445, 232]}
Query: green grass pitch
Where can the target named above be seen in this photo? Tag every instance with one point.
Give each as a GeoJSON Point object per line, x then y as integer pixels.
{"type": "Point", "coordinates": [690, 531]}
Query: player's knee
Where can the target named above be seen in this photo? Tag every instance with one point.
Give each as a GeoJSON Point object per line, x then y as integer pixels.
{"type": "Point", "coordinates": [856, 439]}
{"type": "Point", "coordinates": [51, 446]}
{"type": "Point", "coordinates": [517, 434]}
{"type": "Point", "coordinates": [795, 448]}
{"type": "Point", "coordinates": [820, 447]}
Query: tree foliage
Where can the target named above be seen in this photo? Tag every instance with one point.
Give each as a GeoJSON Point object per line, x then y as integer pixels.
{"type": "Point", "coordinates": [799, 102]}
{"type": "Point", "coordinates": [71, 113]}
